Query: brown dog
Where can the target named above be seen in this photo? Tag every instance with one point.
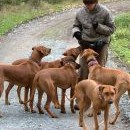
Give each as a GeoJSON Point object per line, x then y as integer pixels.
{"type": "Point", "coordinates": [73, 52]}
{"type": "Point", "coordinates": [57, 64]}
{"type": "Point", "coordinates": [104, 75]}
{"type": "Point", "coordinates": [46, 80]}
{"type": "Point", "coordinates": [38, 52]}
{"type": "Point", "coordinates": [101, 96]}
{"type": "Point", "coordinates": [24, 73]}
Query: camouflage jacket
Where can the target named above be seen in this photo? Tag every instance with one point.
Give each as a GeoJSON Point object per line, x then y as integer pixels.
{"type": "Point", "coordinates": [85, 18]}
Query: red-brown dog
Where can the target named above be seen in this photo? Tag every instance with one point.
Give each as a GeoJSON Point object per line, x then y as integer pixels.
{"type": "Point", "coordinates": [104, 75]}
{"type": "Point", "coordinates": [101, 96]}
{"type": "Point", "coordinates": [46, 80]}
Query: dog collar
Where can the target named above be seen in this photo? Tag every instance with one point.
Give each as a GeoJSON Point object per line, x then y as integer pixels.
{"type": "Point", "coordinates": [92, 62]}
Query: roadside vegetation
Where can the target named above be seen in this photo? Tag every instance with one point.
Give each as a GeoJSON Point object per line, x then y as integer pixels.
{"type": "Point", "coordinates": [121, 38]}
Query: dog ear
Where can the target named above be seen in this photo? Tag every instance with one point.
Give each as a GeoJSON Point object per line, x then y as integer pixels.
{"type": "Point", "coordinates": [33, 47]}
{"type": "Point", "coordinates": [95, 53]}
{"type": "Point", "coordinates": [101, 88]}
{"type": "Point", "coordinates": [115, 89]}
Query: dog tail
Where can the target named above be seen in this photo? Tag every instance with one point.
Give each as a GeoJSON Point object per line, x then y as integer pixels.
{"type": "Point", "coordinates": [70, 99]}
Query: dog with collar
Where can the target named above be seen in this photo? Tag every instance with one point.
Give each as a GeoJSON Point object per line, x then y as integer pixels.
{"type": "Point", "coordinates": [105, 75]}
{"type": "Point", "coordinates": [100, 96]}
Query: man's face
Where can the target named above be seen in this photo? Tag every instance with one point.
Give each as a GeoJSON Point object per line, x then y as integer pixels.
{"type": "Point", "coordinates": [90, 7]}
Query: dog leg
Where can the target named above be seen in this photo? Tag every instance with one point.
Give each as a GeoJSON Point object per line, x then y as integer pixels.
{"type": "Point", "coordinates": [26, 98]}
{"type": "Point", "coordinates": [57, 106]}
{"type": "Point", "coordinates": [10, 86]}
{"type": "Point", "coordinates": [47, 105]}
{"type": "Point", "coordinates": [72, 102]}
{"type": "Point", "coordinates": [90, 112]}
{"type": "Point", "coordinates": [63, 101]}
{"type": "Point", "coordinates": [50, 97]}
{"type": "Point", "coordinates": [40, 94]}
{"type": "Point", "coordinates": [95, 119]}
{"type": "Point", "coordinates": [19, 93]}
{"type": "Point", "coordinates": [120, 91]}
{"type": "Point", "coordinates": [106, 114]}
{"type": "Point", "coordinates": [32, 92]}
{"type": "Point", "coordinates": [81, 110]}
{"type": "Point", "coordinates": [129, 93]}
{"type": "Point", "coordinates": [1, 115]}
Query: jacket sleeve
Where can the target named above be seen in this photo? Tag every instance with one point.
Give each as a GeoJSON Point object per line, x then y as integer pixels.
{"type": "Point", "coordinates": [77, 25]}
{"type": "Point", "coordinates": [108, 27]}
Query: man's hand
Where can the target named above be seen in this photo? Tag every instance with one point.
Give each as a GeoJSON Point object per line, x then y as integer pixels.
{"type": "Point", "coordinates": [95, 25]}
{"type": "Point", "coordinates": [78, 35]}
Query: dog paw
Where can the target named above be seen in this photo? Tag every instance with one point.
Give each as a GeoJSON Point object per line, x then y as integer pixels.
{"type": "Point", "coordinates": [21, 102]}
{"type": "Point", "coordinates": [57, 107]}
{"type": "Point", "coordinates": [111, 122]}
{"type": "Point", "coordinates": [81, 124]}
{"type": "Point", "coordinates": [33, 111]}
{"type": "Point", "coordinates": [90, 114]}
{"type": "Point", "coordinates": [54, 116]}
{"type": "Point", "coordinates": [73, 111]}
{"type": "Point", "coordinates": [26, 109]}
{"type": "Point", "coordinates": [41, 112]}
{"type": "Point", "coordinates": [63, 111]}
{"type": "Point", "coordinates": [7, 103]}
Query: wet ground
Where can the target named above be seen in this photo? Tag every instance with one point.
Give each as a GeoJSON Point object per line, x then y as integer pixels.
{"type": "Point", "coordinates": [54, 32]}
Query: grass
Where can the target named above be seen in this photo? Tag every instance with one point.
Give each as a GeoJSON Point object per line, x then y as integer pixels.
{"type": "Point", "coordinates": [12, 16]}
{"type": "Point", "coordinates": [121, 38]}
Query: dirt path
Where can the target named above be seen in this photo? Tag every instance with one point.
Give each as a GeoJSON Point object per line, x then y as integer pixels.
{"type": "Point", "coordinates": [55, 32]}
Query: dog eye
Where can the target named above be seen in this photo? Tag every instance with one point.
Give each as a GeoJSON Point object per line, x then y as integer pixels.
{"type": "Point", "coordinates": [112, 94]}
{"type": "Point", "coordinates": [106, 93]}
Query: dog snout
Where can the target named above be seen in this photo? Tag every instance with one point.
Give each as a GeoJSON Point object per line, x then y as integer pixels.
{"type": "Point", "coordinates": [110, 101]}
{"type": "Point", "coordinates": [49, 50]}
{"type": "Point", "coordinates": [78, 66]}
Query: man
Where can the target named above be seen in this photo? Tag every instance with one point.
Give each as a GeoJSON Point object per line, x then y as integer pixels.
{"type": "Point", "coordinates": [92, 28]}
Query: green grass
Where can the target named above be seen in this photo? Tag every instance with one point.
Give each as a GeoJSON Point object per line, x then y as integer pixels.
{"type": "Point", "coordinates": [11, 16]}
{"type": "Point", "coordinates": [121, 38]}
